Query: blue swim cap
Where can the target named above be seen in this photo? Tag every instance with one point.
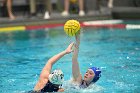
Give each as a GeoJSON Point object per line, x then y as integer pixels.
{"type": "Point", "coordinates": [97, 73]}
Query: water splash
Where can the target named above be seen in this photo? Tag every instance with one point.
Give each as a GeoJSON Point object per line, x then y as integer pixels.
{"type": "Point", "coordinates": [74, 88]}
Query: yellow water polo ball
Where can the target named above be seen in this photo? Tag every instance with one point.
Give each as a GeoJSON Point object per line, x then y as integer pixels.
{"type": "Point", "coordinates": [71, 27]}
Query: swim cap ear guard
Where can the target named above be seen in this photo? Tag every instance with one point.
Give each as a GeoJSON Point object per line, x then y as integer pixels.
{"type": "Point", "coordinates": [97, 73]}
{"type": "Point", "coordinates": [56, 77]}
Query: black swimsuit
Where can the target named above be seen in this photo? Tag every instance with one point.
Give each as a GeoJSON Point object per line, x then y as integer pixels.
{"type": "Point", "coordinates": [50, 87]}
{"type": "Point", "coordinates": [82, 85]}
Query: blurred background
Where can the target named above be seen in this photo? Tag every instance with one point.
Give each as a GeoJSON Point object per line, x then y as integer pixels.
{"type": "Point", "coordinates": [50, 9]}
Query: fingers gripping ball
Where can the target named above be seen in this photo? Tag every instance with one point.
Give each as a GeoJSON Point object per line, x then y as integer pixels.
{"type": "Point", "coordinates": [71, 27]}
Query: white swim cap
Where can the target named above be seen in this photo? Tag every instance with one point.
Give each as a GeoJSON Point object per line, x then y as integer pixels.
{"type": "Point", "coordinates": [56, 77]}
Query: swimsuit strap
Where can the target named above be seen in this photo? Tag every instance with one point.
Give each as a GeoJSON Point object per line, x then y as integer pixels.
{"type": "Point", "coordinates": [82, 85]}
{"type": "Point", "coordinates": [50, 87]}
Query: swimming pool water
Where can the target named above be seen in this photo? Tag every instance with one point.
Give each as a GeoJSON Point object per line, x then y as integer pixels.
{"type": "Point", "coordinates": [115, 51]}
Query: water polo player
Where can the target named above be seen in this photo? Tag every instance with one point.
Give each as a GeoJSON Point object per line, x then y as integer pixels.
{"type": "Point", "coordinates": [72, 28]}
{"type": "Point", "coordinates": [92, 75]}
{"type": "Point", "coordinates": [51, 82]}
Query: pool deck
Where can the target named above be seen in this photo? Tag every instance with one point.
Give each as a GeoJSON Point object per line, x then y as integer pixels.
{"type": "Point", "coordinates": [23, 22]}
{"type": "Point", "coordinates": [55, 18]}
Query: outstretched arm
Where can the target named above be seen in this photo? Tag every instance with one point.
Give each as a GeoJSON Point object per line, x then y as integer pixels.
{"type": "Point", "coordinates": [75, 64]}
{"type": "Point", "coordinates": [47, 68]}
